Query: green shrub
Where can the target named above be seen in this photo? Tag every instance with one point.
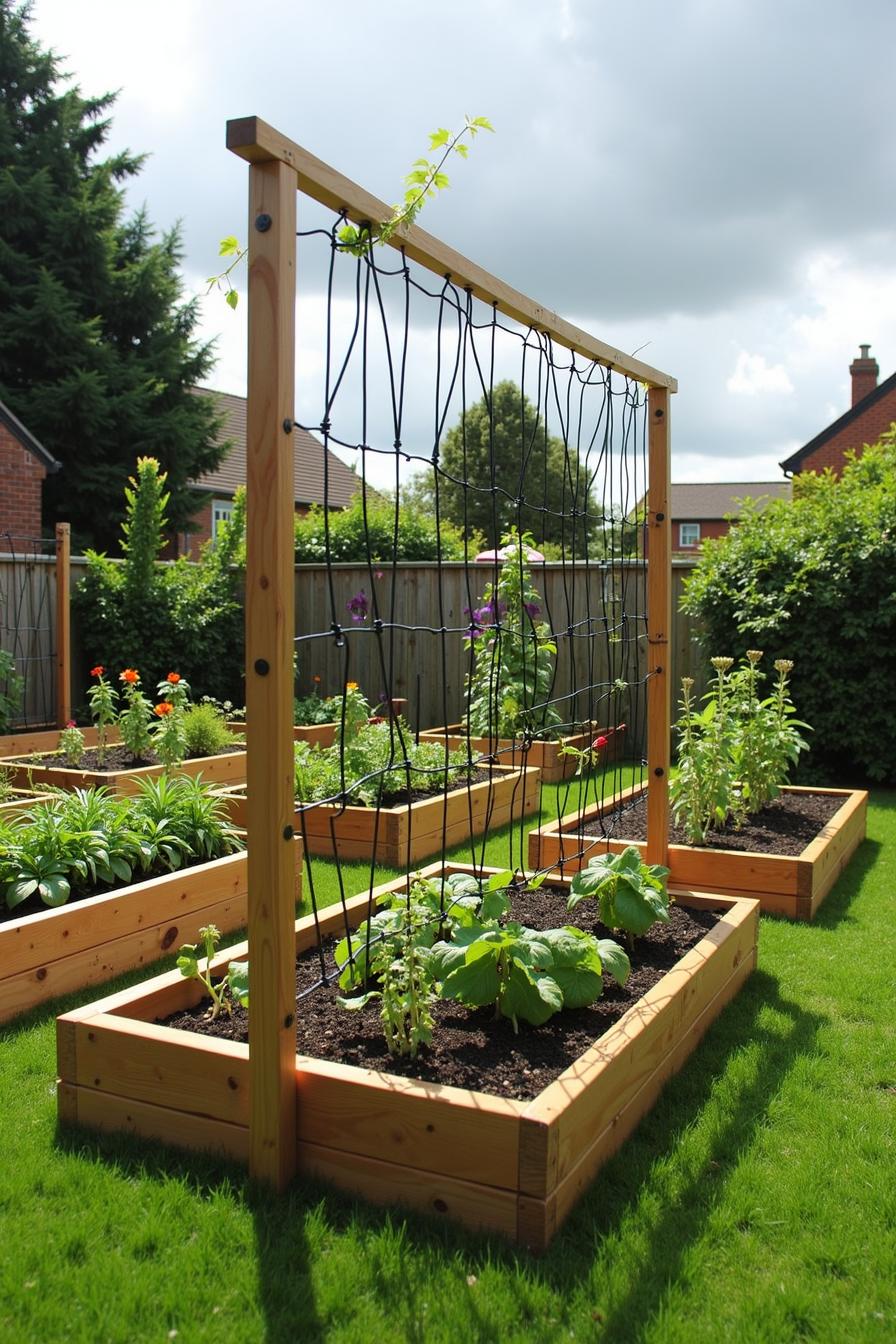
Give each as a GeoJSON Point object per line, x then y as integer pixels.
{"type": "Point", "coordinates": [813, 580]}
{"type": "Point", "coordinates": [142, 613]}
{"type": "Point", "coordinates": [205, 729]}
{"type": "Point", "coordinates": [368, 532]}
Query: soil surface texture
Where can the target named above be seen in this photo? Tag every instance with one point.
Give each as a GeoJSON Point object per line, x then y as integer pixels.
{"type": "Point", "coordinates": [470, 1047]}
{"type": "Point", "coordinates": [789, 823]}
{"type": "Point", "coordinates": [417, 795]}
{"type": "Point", "coordinates": [115, 758]}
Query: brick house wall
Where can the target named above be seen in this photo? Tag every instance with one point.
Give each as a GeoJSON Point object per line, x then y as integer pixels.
{"type": "Point", "coordinates": [865, 428]}
{"type": "Point", "coordinates": [21, 478]}
{"type": "Point", "coordinates": [871, 414]}
{"type": "Point", "coordinates": [709, 527]}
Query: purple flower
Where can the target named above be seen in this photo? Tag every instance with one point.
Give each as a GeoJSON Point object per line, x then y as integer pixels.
{"type": "Point", "coordinates": [357, 605]}
{"type": "Point", "coordinates": [533, 609]}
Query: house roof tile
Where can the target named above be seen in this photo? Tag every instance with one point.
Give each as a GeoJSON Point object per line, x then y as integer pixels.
{"type": "Point", "coordinates": [705, 500]}
{"type": "Point", "coordinates": [310, 460]}
{"type": "Point", "coordinates": [27, 440]}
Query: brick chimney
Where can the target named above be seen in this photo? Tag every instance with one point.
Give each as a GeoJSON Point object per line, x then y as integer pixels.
{"type": "Point", "coordinates": [864, 371]}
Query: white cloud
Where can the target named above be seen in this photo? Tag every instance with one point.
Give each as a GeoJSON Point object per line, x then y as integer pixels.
{"type": "Point", "coordinates": [753, 375]}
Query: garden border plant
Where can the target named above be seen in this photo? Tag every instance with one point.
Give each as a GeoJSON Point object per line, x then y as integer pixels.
{"type": "Point", "coordinates": [56, 950]}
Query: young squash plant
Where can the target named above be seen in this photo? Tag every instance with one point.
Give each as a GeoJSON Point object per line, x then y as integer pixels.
{"type": "Point", "coordinates": [223, 993]}
{"type": "Point", "coordinates": [631, 895]}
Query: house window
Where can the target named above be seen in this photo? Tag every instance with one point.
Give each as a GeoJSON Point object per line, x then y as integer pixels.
{"type": "Point", "coordinates": [222, 511]}
{"type": "Point", "coordinates": [689, 534]}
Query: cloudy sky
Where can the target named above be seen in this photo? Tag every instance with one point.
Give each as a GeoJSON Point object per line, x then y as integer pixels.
{"type": "Point", "coordinates": [710, 182]}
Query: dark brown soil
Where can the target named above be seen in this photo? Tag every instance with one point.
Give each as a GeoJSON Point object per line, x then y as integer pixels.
{"type": "Point", "coordinates": [417, 795]}
{"type": "Point", "coordinates": [789, 823]}
{"type": "Point", "coordinates": [116, 758]}
{"type": "Point", "coordinates": [471, 1048]}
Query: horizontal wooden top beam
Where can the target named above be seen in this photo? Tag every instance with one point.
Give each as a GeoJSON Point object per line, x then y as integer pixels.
{"type": "Point", "coordinates": [257, 142]}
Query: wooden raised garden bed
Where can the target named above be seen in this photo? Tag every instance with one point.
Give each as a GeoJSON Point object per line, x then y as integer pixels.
{"type": "Point", "coordinates": [545, 754]}
{"type": "Point", "coordinates": [28, 741]}
{"type": "Point", "coordinates": [21, 800]}
{"type": "Point", "coordinates": [228, 768]}
{"type": "Point", "coordinates": [793, 886]}
{"type": "Point", "coordinates": [83, 943]}
{"type": "Point", "coordinates": [509, 1166]}
{"type": "Point", "coordinates": [410, 832]}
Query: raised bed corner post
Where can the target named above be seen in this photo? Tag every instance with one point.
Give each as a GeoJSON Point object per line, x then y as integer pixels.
{"type": "Point", "coordinates": [63, 624]}
{"type": "Point", "coordinates": [270, 627]}
{"type": "Point", "coordinates": [659, 622]}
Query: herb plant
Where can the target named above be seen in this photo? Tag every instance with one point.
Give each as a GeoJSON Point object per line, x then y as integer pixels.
{"type": "Point", "coordinates": [223, 993]}
{"type": "Point", "coordinates": [631, 894]}
{"type": "Point", "coordinates": [205, 730]}
{"type": "Point", "coordinates": [11, 687]}
{"type": "Point", "coordinates": [371, 762]}
{"type": "Point", "coordinates": [71, 742]}
{"type": "Point", "coordinates": [735, 753]}
{"type": "Point", "coordinates": [88, 840]}
{"type": "Point", "coordinates": [702, 787]}
{"type": "Point", "coordinates": [766, 739]}
{"type": "Point", "coordinates": [513, 652]}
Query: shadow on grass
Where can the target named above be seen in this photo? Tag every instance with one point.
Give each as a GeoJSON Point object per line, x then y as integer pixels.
{"type": "Point", "coordinates": [652, 1180]}
{"type": "Point", "coordinates": [670, 1194]}
{"type": "Point", "coordinates": [835, 909]}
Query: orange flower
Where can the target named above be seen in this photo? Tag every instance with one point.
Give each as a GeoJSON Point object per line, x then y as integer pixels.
{"type": "Point", "coordinates": [351, 685]}
{"type": "Point", "coordinates": [97, 671]}
{"type": "Point", "coordinates": [173, 677]}
{"type": "Point", "coordinates": [316, 679]}
{"type": "Point", "coordinates": [130, 675]}
{"type": "Point", "coordinates": [163, 709]}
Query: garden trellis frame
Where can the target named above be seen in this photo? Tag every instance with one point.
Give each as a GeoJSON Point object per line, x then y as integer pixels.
{"type": "Point", "coordinates": [279, 169]}
{"type": "Point", "coordinates": [35, 625]}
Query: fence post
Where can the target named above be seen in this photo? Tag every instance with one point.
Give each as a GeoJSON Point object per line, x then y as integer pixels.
{"type": "Point", "coordinates": [63, 624]}
{"type": "Point", "coordinates": [659, 620]}
{"type": "Point", "coordinates": [270, 626]}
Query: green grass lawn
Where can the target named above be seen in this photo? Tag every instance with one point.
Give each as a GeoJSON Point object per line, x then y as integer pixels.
{"type": "Point", "coordinates": [757, 1202]}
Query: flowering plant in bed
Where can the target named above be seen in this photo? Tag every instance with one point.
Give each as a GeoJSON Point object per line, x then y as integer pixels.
{"type": "Point", "coordinates": [372, 760]}
{"type": "Point", "coordinates": [735, 753]}
{"type": "Point", "coordinates": [509, 685]}
{"type": "Point", "coordinates": [89, 840]}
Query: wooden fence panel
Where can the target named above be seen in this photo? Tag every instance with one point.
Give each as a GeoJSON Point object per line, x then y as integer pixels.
{"type": "Point", "coordinates": [408, 595]}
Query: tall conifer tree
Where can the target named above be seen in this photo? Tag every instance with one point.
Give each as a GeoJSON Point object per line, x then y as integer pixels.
{"type": "Point", "coordinates": [97, 352]}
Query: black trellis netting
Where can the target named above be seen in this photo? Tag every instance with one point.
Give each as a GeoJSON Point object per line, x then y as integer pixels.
{"type": "Point", "coordinates": [27, 631]}
{"type": "Point", "coordinates": [392, 367]}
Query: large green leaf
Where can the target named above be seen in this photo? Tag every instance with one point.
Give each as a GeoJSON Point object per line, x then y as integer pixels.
{"type": "Point", "coordinates": [534, 998]}
{"type": "Point", "coordinates": [614, 960]}
{"type": "Point", "coordinates": [475, 982]}
{"type": "Point", "coordinates": [579, 985]}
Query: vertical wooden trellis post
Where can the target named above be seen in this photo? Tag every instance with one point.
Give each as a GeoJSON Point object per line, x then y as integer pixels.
{"type": "Point", "coordinates": [659, 622]}
{"type": "Point", "coordinates": [270, 624]}
{"type": "Point", "coordinates": [63, 624]}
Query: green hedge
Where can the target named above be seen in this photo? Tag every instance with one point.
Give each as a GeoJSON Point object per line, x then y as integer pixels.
{"type": "Point", "coordinates": [814, 580]}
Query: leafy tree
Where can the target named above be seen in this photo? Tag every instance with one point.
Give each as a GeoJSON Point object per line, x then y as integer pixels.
{"type": "Point", "coordinates": [375, 530]}
{"type": "Point", "coordinates": [811, 581]}
{"type": "Point", "coordinates": [97, 354]}
{"type": "Point", "coordinates": [500, 470]}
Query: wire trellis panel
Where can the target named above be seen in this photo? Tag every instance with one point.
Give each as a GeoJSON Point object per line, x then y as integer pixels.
{"type": "Point", "coordinates": [404, 356]}
{"type": "Point", "coordinates": [28, 627]}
